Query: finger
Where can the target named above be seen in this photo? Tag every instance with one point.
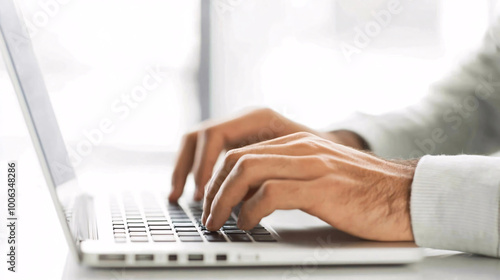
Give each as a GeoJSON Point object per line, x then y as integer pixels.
{"type": "Point", "coordinates": [183, 165]}
{"type": "Point", "coordinates": [250, 172]}
{"type": "Point", "coordinates": [273, 195]}
{"type": "Point", "coordinates": [210, 144]}
{"type": "Point", "coordinates": [233, 156]}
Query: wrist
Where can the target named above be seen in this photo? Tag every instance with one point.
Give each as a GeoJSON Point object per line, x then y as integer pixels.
{"type": "Point", "coordinates": [404, 183]}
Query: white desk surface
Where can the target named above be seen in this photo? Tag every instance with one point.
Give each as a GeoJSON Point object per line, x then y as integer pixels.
{"type": "Point", "coordinates": [43, 253]}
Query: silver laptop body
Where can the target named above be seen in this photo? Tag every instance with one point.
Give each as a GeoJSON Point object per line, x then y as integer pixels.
{"type": "Point", "coordinates": [142, 229]}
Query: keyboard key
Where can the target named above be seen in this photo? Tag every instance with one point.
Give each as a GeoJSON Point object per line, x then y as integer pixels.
{"type": "Point", "coordinates": [185, 224]}
{"type": "Point", "coordinates": [259, 232]}
{"type": "Point", "coordinates": [163, 238]}
{"type": "Point", "coordinates": [120, 235]}
{"type": "Point", "coordinates": [133, 216]}
{"type": "Point", "coordinates": [155, 217]}
{"type": "Point", "coordinates": [139, 239]}
{"type": "Point", "coordinates": [137, 229]}
{"type": "Point", "coordinates": [119, 227]}
{"type": "Point", "coordinates": [119, 231]}
{"type": "Point", "coordinates": [158, 224]}
{"type": "Point", "coordinates": [208, 232]}
{"type": "Point", "coordinates": [156, 220]}
{"type": "Point", "coordinates": [159, 227]}
{"type": "Point", "coordinates": [135, 223]}
{"type": "Point", "coordinates": [264, 238]}
{"type": "Point", "coordinates": [138, 233]}
{"type": "Point", "coordinates": [132, 219]}
{"type": "Point", "coordinates": [191, 238]}
{"type": "Point", "coordinates": [177, 218]}
{"type": "Point", "coordinates": [192, 233]}
{"type": "Point", "coordinates": [237, 231]}
{"type": "Point", "coordinates": [239, 238]}
{"type": "Point", "coordinates": [230, 227]}
{"type": "Point", "coordinates": [120, 240]}
{"type": "Point", "coordinates": [215, 237]}
{"type": "Point", "coordinates": [137, 226]}
{"type": "Point", "coordinates": [152, 213]}
{"type": "Point", "coordinates": [161, 232]}
{"type": "Point", "coordinates": [186, 229]}
{"type": "Point", "coordinates": [183, 220]}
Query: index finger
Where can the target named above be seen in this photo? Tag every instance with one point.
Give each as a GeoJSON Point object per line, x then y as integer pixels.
{"type": "Point", "coordinates": [183, 166]}
{"type": "Point", "coordinates": [250, 173]}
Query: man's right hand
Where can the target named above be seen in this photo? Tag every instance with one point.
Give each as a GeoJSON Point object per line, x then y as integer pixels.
{"type": "Point", "coordinates": [201, 148]}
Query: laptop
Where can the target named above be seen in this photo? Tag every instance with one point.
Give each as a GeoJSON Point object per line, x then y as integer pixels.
{"type": "Point", "coordinates": [143, 229]}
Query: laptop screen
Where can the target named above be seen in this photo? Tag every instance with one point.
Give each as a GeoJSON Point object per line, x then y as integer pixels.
{"type": "Point", "coordinates": [28, 82]}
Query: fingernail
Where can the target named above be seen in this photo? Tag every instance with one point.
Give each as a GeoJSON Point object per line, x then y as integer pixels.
{"type": "Point", "coordinates": [203, 218]}
{"type": "Point", "coordinates": [209, 221]}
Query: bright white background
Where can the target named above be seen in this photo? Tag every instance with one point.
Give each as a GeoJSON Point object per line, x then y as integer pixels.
{"type": "Point", "coordinates": [282, 54]}
{"type": "Point", "coordinates": [288, 54]}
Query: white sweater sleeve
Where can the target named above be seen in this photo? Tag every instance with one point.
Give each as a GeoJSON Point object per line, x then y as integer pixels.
{"type": "Point", "coordinates": [455, 204]}
{"type": "Point", "coordinates": [455, 200]}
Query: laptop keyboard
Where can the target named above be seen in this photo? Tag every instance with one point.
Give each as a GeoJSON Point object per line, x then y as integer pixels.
{"type": "Point", "coordinates": [142, 219]}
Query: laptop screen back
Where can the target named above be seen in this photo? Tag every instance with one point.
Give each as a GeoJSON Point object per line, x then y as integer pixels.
{"type": "Point", "coordinates": [29, 85]}
{"type": "Point", "coordinates": [28, 80]}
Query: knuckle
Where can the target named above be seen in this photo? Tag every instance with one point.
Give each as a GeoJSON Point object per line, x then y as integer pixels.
{"type": "Point", "coordinates": [246, 160]}
{"type": "Point", "coordinates": [270, 190]}
{"type": "Point", "coordinates": [302, 135]}
{"type": "Point", "coordinates": [301, 145]}
{"type": "Point", "coordinates": [244, 163]}
{"type": "Point", "coordinates": [324, 162]}
{"type": "Point", "coordinates": [310, 143]}
{"type": "Point", "coordinates": [232, 157]}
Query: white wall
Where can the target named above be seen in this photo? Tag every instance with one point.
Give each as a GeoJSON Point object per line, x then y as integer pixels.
{"type": "Point", "coordinates": [94, 53]}
{"type": "Point", "coordinates": [289, 54]}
